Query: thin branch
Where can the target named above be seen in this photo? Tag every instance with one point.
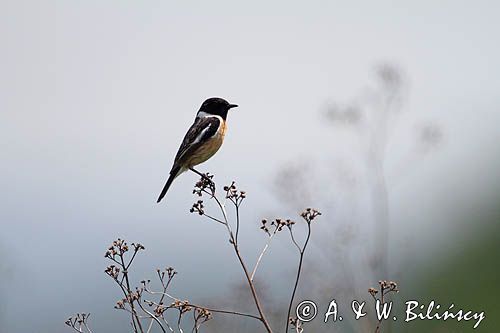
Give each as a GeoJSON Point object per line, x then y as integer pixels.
{"type": "Point", "coordinates": [299, 270]}
{"type": "Point", "coordinates": [237, 206]}
{"type": "Point", "coordinates": [214, 219]}
{"type": "Point", "coordinates": [293, 239]}
{"type": "Point", "coordinates": [129, 291]}
{"type": "Point", "coordinates": [206, 308]}
{"type": "Point", "coordinates": [245, 270]}
{"type": "Point", "coordinates": [131, 259]}
{"type": "Point", "coordinates": [179, 321]}
{"type": "Point", "coordinates": [153, 319]}
{"type": "Point", "coordinates": [261, 255]}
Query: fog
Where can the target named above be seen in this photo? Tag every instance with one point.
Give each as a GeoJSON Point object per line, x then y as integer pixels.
{"type": "Point", "coordinates": [96, 97]}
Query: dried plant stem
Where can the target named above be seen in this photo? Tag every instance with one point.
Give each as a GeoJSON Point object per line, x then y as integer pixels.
{"type": "Point", "coordinates": [179, 322]}
{"type": "Point", "coordinates": [165, 287]}
{"type": "Point", "coordinates": [237, 313]}
{"type": "Point", "coordinates": [233, 241]}
{"type": "Point", "coordinates": [259, 259]}
{"type": "Point", "coordinates": [254, 292]}
{"type": "Point", "coordinates": [377, 329]}
{"type": "Point", "coordinates": [150, 312]}
{"type": "Point", "coordinates": [386, 287]}
{"type": "Point", "coordinates": [154, 319]}
{"type": "Point", "coordinates": [135, 316]}
{"type": "Point", "coordinates": [299, 269]}
{"type": "Point", "coordinates": [236, 198]}
{"type": "Point", "coordinates": [87, 328]}
{"type": "Point", "coordinates": [79, 323]}
{"type": "Point", "coordinates": [214, 219]}
{"type": "Point", "coordinates": [237, 206]}
{"type": "Point", "coordinates": [382, 294]}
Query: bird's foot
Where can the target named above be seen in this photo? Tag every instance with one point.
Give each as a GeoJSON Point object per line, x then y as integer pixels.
{"type": "Point", "coordinates": [204, 183]}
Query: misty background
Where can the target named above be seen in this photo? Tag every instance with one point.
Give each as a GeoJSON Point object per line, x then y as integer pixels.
{"type": "Point", "coordinates": [96, 96]}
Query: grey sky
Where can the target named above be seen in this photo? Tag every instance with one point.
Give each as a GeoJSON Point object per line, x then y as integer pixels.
{"type": "Point", "coordinates": [95, 98]}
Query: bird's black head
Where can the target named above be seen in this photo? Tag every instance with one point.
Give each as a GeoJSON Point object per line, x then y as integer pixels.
{"type": "Point", "coordinates": [216, 106]}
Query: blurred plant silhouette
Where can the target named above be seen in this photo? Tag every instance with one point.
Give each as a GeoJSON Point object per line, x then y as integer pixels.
{"type": "Point", "coordinates": [356, 252]}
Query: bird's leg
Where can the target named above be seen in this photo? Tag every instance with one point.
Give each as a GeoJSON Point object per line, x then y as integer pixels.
{"type": "Point", "coordinates": [204, 176]}
{"type": "Point", "coordinates": [199, 173]}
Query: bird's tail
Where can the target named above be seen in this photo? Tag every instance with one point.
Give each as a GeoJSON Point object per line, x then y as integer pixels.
{"type": "Point", "coordinates": [173, 174]}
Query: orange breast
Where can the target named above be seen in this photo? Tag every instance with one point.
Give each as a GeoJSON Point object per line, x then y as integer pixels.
{"type": "Point", "coordinates": [208, 149]}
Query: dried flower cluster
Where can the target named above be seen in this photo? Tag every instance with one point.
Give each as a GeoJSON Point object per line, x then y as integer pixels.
{"type": "Point", "coordinates": [385, 287]}
{"type": "Point", "coordinates": [271, 228]}
{"type": "Point", "coordinates": [201, 316]}
{"type": "Point", "coordinates": [275, 225]}
{"type": "Point", "coordinates": [310, 214]}
{"type": "Point", "coordinates": [388, 286]}
{"type": "Point", "coordinates": [79, 322]}
{"type": "Point", "coordinates": [148, 308]}
{"type": "Point", "coordinates": [296, 325]}
{"type": "Point", "coordinates": [148, 311]}
{"type": "Point", "coordinates": [233, 194]}
{"type": "Point", "coordinates": [120, 247]}
{"type": "Point", "coordinates": [203, 184]}
{"type": "Point", "coordinates": [198, 207]}
{"type": "Point", "coordinates": [182, 306]}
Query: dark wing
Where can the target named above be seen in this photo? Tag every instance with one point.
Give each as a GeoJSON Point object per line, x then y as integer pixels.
{"type": "Point", "coordinates": [201, 130]}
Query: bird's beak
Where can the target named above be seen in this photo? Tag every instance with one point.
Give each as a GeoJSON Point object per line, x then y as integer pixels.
{"type": "Point", "coordinates": [233, 106]}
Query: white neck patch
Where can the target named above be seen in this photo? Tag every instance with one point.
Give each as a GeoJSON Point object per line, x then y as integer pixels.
{"type": "Point", "coordinates": [203, 114]}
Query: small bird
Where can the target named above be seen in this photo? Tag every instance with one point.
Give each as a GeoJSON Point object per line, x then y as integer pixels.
{"type": "Point", "coordinates": [202, 140]}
